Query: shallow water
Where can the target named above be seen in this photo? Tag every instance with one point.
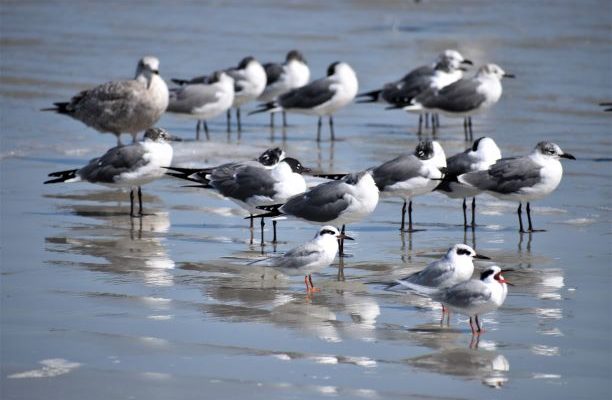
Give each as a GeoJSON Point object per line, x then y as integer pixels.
{"type": "Point", "coordinates": [97, 305]}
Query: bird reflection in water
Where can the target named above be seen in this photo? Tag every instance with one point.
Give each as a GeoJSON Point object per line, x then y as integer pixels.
{"type": "Point", "coordinates": [128, 246]}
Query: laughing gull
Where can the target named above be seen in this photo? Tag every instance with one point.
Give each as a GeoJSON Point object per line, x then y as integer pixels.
{"type": "Point", "coordinates": [411, 175]}
{"type": "Point", "coordinates": [250, 184]}
{"type": "Point", "coordinates": [454, 267]}
{"type": "Point", "coordinates": [249, 83]}
{"type": "Point", "coordinates": [447, 69]}
{"type": "Point", "coordinates": [130, 166]}
{"type": "Point", "coordinates": [465, 97]}
{"type": "Point", "coordinates": [483, 153]}
{"type": "Point", "coordinates": [292, 74]}
{"type": "Point", "coordinates": [268, 159]}
{"type": "Point", "coordinates": [472, 298]}
{"type": "Point", "coordinates": [322, 97]}
{"type": "Point", "coordinates": [339, 202]}
{"type": "Point", "coordinates": [203, 101]}
{"type": "Point", "coordinates": [522, 179]}
{"type": "Point", "coordinates": [309, 257]}
{"type": "Point", "coordinates": [121, 106]}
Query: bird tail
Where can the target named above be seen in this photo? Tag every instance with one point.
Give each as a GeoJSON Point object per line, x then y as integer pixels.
{"type": "Point", "coordinates": [60, 108]}
{"type": "Point", "coordinates": [273, 211]}
{"type": "Point", "coordinates": [476, 179]}
{"type": "Point", "coordinates": [426, 290]}
{"type": "Point", "coordinates": [369, 97]}
{"type": "Point", "coordinates": [197, 175]}
{"type": "Point", "coordinates": [62, 176]}
{"type": "Point", "coordinates": [271, 106]}
{"type": "Point", "coordinates": [180, 82]}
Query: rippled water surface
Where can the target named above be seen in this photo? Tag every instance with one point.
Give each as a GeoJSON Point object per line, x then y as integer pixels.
{"type": "Point", "coordinates": [97, 305]}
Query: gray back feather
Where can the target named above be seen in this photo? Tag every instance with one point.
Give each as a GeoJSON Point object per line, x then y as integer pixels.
{"type": "Point", "coordinates": [322, 203]}
{"type": "Point", "coordinates": [239, 181]}
{"type": "Point", "coordinates": [309, 96]}
{"type": "Point", "coordinates": [399, 169]}
{"type": "Point", "coordinates": [460, 96]}
{"type": "Point", "coordinates": [465, 294]}
{"type": "Point", "coordinates": [507, 175]}
{"type": "Point", "coordinates": [114, 162]}
{"type": "Point", "coordinates": [186, 98]}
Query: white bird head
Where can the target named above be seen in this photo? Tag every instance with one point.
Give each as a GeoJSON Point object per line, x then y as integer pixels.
{"type": "Point", "coordinates": [464, 252]}
{"type": "Point", "coordinates": [147, 67]}
{"type": "Point", "coordinates": [551, 150]}
{"type": "Point", "coordinates": [271, 157]}
{"type": "Point", "coordinates": [493, 70]}
{"type": "Point", "coordinates": [494, 274]}
{"type": "Point", "coordinates": [329, 232]}
{"type": "Point", "coordinates": [486, 149]}
{"type": "Point", "coordinates": [158, 135]}
{"type": "Point", "coordinates": [451, 60]}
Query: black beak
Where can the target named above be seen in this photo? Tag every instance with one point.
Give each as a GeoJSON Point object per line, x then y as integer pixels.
{"type": "Point", "coordinates": [464, 69]}
{"type": "Point", "coordinates": [155, 72]}
{"type": "Point", "coordinates": [509, 76]}
{"type": "Point", "coordinates": [342, 236]}
{"type": "Point", "coordinates": [481, 257]}
{"type": "Point", "coordinates": [469, 62]}
{"type": "Point", "coordinates": [568, 156]}
{"type": "Point", "coordinates": [306, 170]}
{"type": "Point", "coordinates": [173, 138]}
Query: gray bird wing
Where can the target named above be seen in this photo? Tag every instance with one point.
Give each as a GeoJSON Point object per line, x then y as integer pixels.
{"type": "Point", "coordinates": [299, 257]}
{"type": "Point", "coordinates": [433, 275]}
{"type": "Point", "coordinates": [411, 85]}
{"type": "Point", "coordinates": [399, 169]}
{"type": "Point", "coordinates": [309, 96]}
{"type": "Point", "coordinates": [113, 163]}
{"type": "Point", "coordinates": [239, 181]}
{"type": "Point", "coordinates": [102, 105]}
{"type": "Point", "coordinates": [273, 72]}
{"type": "Point", "coordinates": [458, 164]}
{"type": "Point", "coordinates": [322, 203]}
{"type": "Point", "coordinates": [508, 175]}
{"type": "Point", "coordinates": [460, 96]}
{"type": "Point", "coordinates": [186, 98]}
{"type": "Point", "coordinates": [199, 79]}
{"type": "Point", "coordinates": [466, 294]}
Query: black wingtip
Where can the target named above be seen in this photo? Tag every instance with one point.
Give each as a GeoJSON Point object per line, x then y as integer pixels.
{"type": "Point", "coordinates": [264, 107]}
{"type": "Point", "coordinates": [335, 177]}
{"type": "Point", "coordinates": [180, 82]}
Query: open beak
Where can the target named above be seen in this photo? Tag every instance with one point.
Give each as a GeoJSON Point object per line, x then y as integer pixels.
{"type": "Point", "coordinates": [509, 76]}
{"type": "Point", "coordinates": [568, 156]}
{"type": "Point", "coordinates": [468, 62]}
{"type": "Point", "coordinates": [481, 257]}
{"type": "Point", "coordinates": [342, 236]}
{"type": "Point", "coordinates": [502, 280]}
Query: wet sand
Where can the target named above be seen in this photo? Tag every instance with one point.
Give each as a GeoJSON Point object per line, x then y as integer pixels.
{"type": "Point", "coordinates": [98, 305]}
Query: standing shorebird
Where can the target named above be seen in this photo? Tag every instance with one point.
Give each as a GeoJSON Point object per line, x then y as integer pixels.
{"type": "Point", "coordinates": [322, 97]}
{"type": "Point", "coordinates": [522, 179]}
{"type": "Point", "coordinates": [126, 166]}
{"type": "Point", "coordinates": [121, 106]}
